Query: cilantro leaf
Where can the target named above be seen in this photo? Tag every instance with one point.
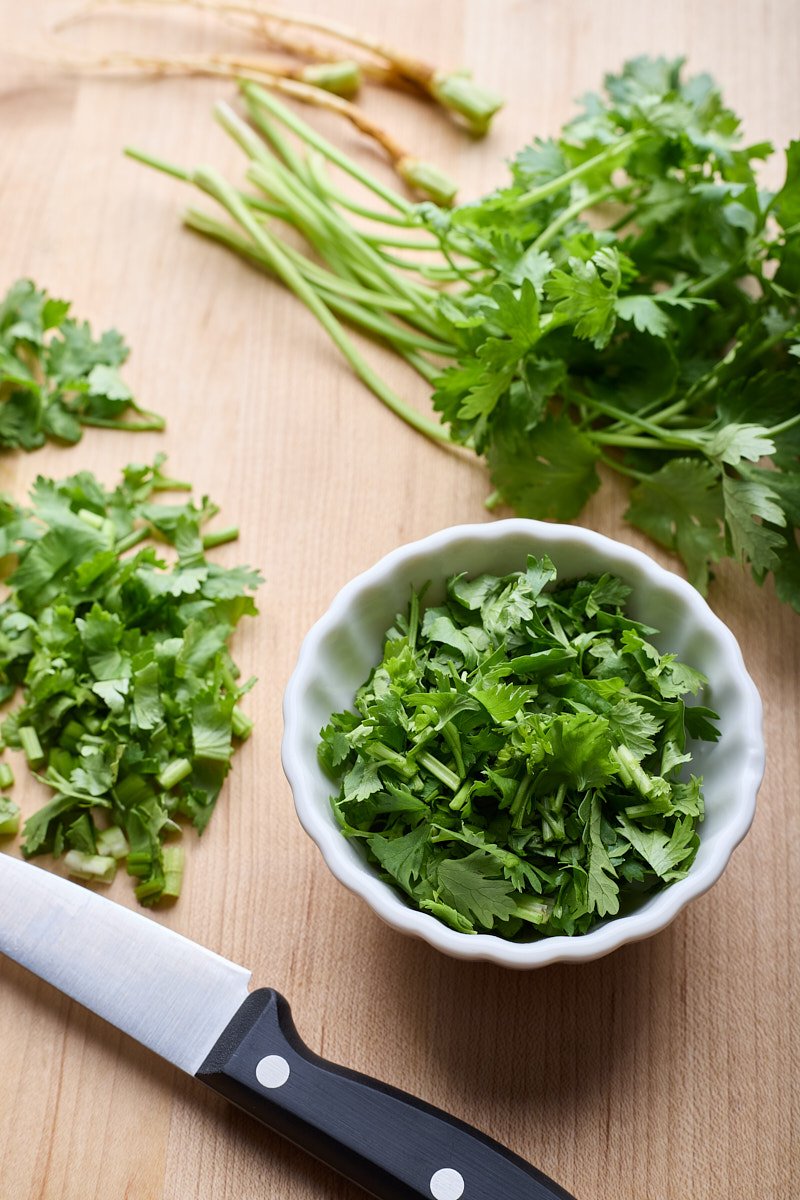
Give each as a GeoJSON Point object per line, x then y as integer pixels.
{"type": "Point", "coordinates": [470, 886]}
{"type": "Point", "coordinates": [680, 507]}
{"type": "Point", "coordinates": [548, 472]}
{"type": "Point", "coordinates": [55, 377]}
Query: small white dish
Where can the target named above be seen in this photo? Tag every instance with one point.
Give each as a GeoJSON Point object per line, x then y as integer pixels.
{"type": "Point", "coordinates": [341, 649]}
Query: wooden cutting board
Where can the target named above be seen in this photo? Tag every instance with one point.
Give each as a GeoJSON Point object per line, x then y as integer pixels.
{"type": "Point", "coordinates": [666, 1071]}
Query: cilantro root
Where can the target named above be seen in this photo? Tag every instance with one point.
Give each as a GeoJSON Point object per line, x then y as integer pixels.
{"type": "Point", "coordinates": [516, 763]}
{"type": "Point", "coordinates": [129, 708]}
{"type": "Point", "coordinates": [453, 90]}
{"type": "Point", "coordinates": [629, 298]}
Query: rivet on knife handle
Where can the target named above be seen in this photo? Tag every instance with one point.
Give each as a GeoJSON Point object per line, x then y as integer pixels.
{"type": "Point", "coordinates": [394, 1146]}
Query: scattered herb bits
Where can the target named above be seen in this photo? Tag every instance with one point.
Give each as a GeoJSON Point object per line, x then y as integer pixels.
{"type": "Point", "coordinates": [518, 761]}
{"type": "Point", "coordinates": [130, 696]}
{"type": "Point", "coordinates": [55, 377]}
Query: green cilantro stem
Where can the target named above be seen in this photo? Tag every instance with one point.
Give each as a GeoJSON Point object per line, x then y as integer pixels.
{"type": "Point", "coordinates": [174, 772]}
{"type": "Point", "coordinates": [334, 195]}
{"type": "Point", "coordinates": [428, 371]}
{"type": "Point", "coordinates": [32, 747]}
{"type": "Point", "coordinates": [335, 290]}
{"type": "Point", "coordinates": [386, 754]}
{"type": "Point", "coordinates": [9, 817]}
{"type": "Point", "coordinates": [273, 134]}
{"type": "Point", "coordinates": [582, 204]}
{"type": "Point", "coordinates": [158, 164]}
{"type": "Point", "coordinates": [129, 540]}
{"type": "Point", "coordinates": [219, 537]}
{"type": "Point", "coordinates": [94, 868]}
{"type": "Point", "coordinates": [278, 182]}
{"type": "Point", "coordinates": [213, 183]}
{"type": "Point", "coordinates": [152, 422]}
{"type": "Point", "coordinates": [519, 803]}
{"type": "Point", "coordinates": [241, 724]}
{"type": "Point", "coordinates": [451, 737]}
{"type": "Point", "coordinates": [442, 773]}
{"type": "Point", "coordinates": [174, 861]}
{"type": "Point", "coordinates": [413, 620]}
{"type": "Point", "coordinates": [112, 841]}
{"type": "Point", "coordinates": [462, 796]}
{"type": "Point", "coordinates": [784, 426]}
{"type": "Point", "coordinates": [257, 96]}
{"type": "Point", "coordinates": [545, 190]}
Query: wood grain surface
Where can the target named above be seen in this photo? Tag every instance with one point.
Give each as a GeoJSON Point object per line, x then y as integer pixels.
{"type": "Point", "coordinates": [666, 1071]}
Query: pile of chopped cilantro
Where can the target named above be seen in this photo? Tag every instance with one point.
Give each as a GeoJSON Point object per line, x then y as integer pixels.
{"type": "Point", "coordinates": [55, 377]}
{"type": "Point", "coordinates": [517, 762]}
{"type": "Point", "coordinates": [129, 693]}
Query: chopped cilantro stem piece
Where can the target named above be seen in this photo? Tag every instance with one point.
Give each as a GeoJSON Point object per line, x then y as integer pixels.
{"type": "Point", "coordinates": [220, 537]}
{"type": "Point", "coordinates": [151, 423]}
{"type": "Point", "coordinates": [174, 860]}
{"type": "Point", "coordinates": [443, 773]}
{"type": "Point", "coordinates": [568, 803]}
{"type": "Point", "coordinates": [241, 724]}
{"type": "Point", "coordinates": [6, 777]}
{"type": "Point", "coordinates": [96, 520]}
{"type": "Point", "coordinates": [9, 817]}
{"type": "Point", "coordinates": [112, 842]}
{"type": "Point", "coordinates": [174, 772]}
{"type": "Point", "coordinates": [129, 540]}
{"type": "Point", "coordinates": [94, 868]}
{"type": "Point", "coordinates": [150, 890]}
{"type": "Point", "coordinates": [32, 747]}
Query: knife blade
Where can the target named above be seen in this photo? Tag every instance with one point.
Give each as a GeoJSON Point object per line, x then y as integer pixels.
{"type": "Point", "coordinates": [193, 1008]}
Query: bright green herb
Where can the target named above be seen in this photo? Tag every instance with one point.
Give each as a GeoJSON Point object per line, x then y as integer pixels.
{"type": "Point", "coordinates": [55, 377]}
{"type": "Point", "coordinates": [9, 817]}
{"type": "Point", "coordinates": [129, 691]}
{"type": "Point", "coordinates": [630, 298]}
{"type": "Point", "coordinates": [517, 763]}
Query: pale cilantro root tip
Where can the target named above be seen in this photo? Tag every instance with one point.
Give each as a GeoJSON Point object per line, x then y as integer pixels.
{"type": "Point", "coordinates": [129, 695]}
{"type": "Point", "coordinates": [517, 762]}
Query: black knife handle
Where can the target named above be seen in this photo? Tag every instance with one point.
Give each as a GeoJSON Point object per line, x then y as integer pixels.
{"type": "Point", "coordinates": [394, 1146]}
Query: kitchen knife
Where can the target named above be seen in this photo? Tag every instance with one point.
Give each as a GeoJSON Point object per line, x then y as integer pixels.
{"type": "Point", "coordinates": [193, 1008]}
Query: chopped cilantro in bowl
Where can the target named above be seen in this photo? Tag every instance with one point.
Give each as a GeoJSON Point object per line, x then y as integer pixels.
{"type": "Point", "coordinates": [503, 768]}
{"type": "Point", "coordinates": [514, 764]}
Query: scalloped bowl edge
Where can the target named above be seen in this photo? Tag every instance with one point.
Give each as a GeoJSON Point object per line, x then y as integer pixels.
{"type": "Point", "coordinates": [349, 634]}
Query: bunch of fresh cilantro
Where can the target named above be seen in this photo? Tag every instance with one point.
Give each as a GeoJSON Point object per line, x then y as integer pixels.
{"type": "Point", "coordinates": [639, 308]}
{"type": "Point", "coordinates": [55, 377]}
{"type": "Point", "coordinates": [129, 693]}
{"type": "Point", "coordinates": [516, 764]}
{"type": "Point", "coordinates": [630, 299]}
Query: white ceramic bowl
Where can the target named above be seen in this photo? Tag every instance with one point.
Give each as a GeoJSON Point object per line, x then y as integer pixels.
{"type": "Point", "coordinates": [344, 645]}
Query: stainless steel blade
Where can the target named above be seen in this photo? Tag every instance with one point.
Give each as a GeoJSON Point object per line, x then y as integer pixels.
{"type": "Point", "coordinates": [173, 996]}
